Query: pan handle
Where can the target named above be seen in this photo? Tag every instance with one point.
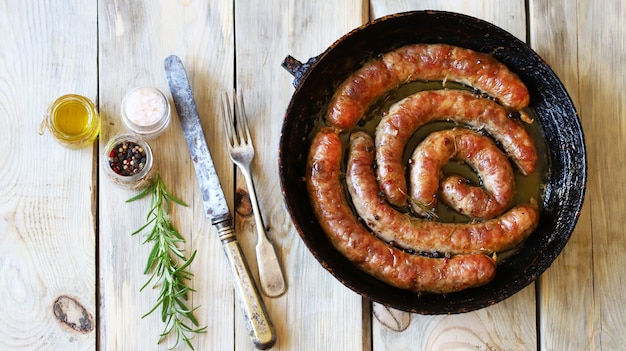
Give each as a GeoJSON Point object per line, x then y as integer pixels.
{"type": "Point", "coordinates": [297, 68]}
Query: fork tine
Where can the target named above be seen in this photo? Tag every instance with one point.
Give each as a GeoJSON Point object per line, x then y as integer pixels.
{"type": "Point", "coordinates": [242, 118]}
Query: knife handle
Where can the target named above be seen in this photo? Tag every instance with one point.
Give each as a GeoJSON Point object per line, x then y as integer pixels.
{"type": "Point", "coordinates": [259, 325]}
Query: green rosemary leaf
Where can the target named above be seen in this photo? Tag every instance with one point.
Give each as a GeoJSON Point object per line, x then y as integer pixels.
{"type": "Point", "coordinates": [169, 326]}
{"type": "Point", "coordinates": [429, 212]}
{"type": "Point", "coordinates": [146, 284]}
{"type": "Point", "coordinates": [173, 238]}
{"type": "Point", "coordinates": [177, 236]}
{"type": "Point", "coordinates": [167, 265]}
{"type": "Point", "coordinates": [175, 199]}
{"type": "Point", "coordinates": [151, 310]}
{"type": "Point", "coordinates": [148, 190]}
{"type": "Point", "coordinates": [181, 308]}
{"type": "Point", "coordinates": [189, 260]}
{"type": "Point", "coordinates": [142, 227]}
{"type": "Point", "coordinates": [193, 319]}
{"type": "Point", "coordinates": [188, 342]}
{"type": "Point", "coordinates": [188, 328]}
{"type": "Point", "coordinates": [152, 257]}
{"type": "Point", "coordinates": [176, 250]}
{"type": "Point", "coordinates": [151, 213]}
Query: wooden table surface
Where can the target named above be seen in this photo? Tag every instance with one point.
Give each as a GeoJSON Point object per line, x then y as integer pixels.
{"type": "Point", "coordinates": [65, 229]}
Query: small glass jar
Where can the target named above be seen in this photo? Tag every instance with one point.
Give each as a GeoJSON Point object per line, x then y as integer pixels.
{"type": "Point", "coordinates": [146, 111]}
{"type": "Point", "coordinates": [73, 121]}
{"type": "Point", "coordinates": [127, 160]}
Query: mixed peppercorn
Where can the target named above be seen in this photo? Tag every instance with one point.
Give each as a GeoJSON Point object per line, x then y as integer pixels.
{"type": "Point", "coordinates": [127, 158]}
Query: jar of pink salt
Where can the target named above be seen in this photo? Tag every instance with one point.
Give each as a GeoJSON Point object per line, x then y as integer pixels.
{"type": "Point", "coordinates": [146, 111]}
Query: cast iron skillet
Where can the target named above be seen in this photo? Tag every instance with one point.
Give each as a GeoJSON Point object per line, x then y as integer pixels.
{"type": "Point", "coordinates": [316, 80]}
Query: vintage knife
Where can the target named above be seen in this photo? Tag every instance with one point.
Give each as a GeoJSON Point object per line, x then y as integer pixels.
{"type": "Point", "coordinates": [259, 325]}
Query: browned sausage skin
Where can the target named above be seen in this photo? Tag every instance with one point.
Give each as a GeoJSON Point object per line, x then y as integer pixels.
{"type": "Point", "coordinates": [412, 112]}
{"type": "Point", "coordinates": [476, 150]}
{"type": "Point", "coordinates": [452, 63]}
{"type": "Point", "coordinates": [423, 62]}
{"type": "Point", "coordinates": [357, 93]}
{"type": "Point", "coordinates": [388, 264]}
{"type": "Point", "coordinates": [408, 232]}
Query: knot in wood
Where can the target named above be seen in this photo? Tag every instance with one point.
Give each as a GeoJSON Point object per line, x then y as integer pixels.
{"type": "Point", "coordinates": [73, 314]}
{"type": "Point", "coordinates": [243, 206]}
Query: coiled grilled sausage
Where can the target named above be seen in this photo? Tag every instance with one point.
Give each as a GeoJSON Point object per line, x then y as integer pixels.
{"type": "Point", "coordinates": [498, 234]}
{"type": "Point", "coordinates": [476, 150]}
{"type": "Point", "coordinates": [389, 264]}
{"type": "Point", "coordinates": [423, 62]}
{"type": "Point", "coordinates": [412, 112]}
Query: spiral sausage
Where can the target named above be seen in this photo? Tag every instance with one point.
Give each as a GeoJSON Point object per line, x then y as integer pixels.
{"type": "Point", "coordinates": [407, 115]}
{"type": "Point", "coordinates": [423, 62]}
{"type": "Point", "coordinates": [405, 231]}
{"type": "Point", "coordinates": [368, 253]}
{"type": "Point", "coordinates": [479, 152]}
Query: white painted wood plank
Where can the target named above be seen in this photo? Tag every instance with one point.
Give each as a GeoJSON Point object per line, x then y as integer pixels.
{"type": "Point", "coordinates": [47, 235]}
{"type": "Point", "coordinates": [135, 38]}
{"type": "Point", "coordinates": [317, 312]}
{"type": "Point", "coordinates": [582, 294]}
{"type": "Point", "coordinates": [509, 15]}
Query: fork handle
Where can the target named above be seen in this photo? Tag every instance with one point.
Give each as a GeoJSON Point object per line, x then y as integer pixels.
{"type": "Point", "coordinates": [271, 274]}
{"type": "Point", "coordinates": [270, 271]}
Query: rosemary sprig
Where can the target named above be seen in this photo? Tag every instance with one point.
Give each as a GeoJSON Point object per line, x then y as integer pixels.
{"type": "Point", "coordinates": [430, 213]}
{"type": "Point", "coordinates": [163, 265]}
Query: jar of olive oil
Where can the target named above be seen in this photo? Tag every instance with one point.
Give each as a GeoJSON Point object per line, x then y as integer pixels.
{"type": "Point", "coordinates": [73, 120]}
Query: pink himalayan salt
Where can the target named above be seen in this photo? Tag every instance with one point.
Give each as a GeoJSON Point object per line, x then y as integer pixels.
{"type": "Point", "coordinates": [145, 107]}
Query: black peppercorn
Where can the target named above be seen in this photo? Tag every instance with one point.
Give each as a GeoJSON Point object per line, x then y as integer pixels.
{"type": "Point", "coordinates": [124, 158]}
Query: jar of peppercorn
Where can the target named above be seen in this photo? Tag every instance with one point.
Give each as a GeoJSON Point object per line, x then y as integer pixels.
{"type": "Point", "coordinates": [128, 161]}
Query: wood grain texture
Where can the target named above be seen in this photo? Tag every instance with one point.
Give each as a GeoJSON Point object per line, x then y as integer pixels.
{"type": "Point", "coordinates": [57, 208]}
{"type": "Point", "coordinates": [509, 15]}
{"type": "Point", "coordinates": [582, 293]}
{"type": "Point", "coordinates": [505, 326]}
{"type": "Point", "coordinates": [567, 315]}
{"type": "Point", "coordinates": [509, 325]}
{"type": "Point", "coordinates": [135, 38]}
{"type": "Point", "coordinates": [307, 316]}
{"type": "Point", "coordinates": [47, 234]}
{"type": "Point", "coordinates": [602, 103]}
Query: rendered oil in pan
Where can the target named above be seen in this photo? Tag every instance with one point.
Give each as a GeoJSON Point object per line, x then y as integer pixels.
{"type": "Point", "coordinates": [527, 187]}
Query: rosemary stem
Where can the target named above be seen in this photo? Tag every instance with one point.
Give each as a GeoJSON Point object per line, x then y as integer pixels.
{"type": "Point", "coordinates": [163, 265]}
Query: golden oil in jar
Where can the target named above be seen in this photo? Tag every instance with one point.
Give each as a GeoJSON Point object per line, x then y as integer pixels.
{"type": "Point", "coordinates": [73, 120]}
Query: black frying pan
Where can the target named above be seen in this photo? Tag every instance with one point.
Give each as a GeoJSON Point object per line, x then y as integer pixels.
{"type": "Point", "coordinates": [315, 82]}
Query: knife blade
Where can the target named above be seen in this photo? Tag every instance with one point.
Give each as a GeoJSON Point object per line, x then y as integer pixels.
{"type": "Point", "coordinates": [259, 324]}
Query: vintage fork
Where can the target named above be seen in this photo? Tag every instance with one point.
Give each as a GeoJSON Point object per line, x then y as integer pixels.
{"type": "Point", "coordinates": [241, 152]}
